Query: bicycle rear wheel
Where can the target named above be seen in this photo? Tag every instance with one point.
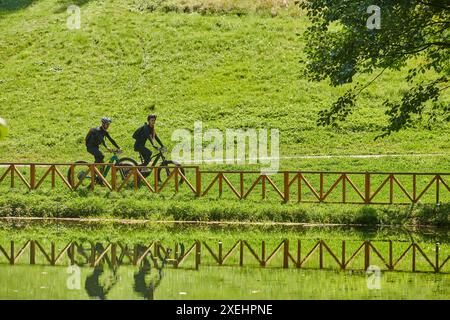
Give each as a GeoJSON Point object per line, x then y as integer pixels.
{"type": "Point", "coordinates": [80, 174]}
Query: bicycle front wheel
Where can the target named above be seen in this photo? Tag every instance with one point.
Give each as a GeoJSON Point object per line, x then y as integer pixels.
{"type": "Point", "coordinates": [125, 168]}
{"type": "Point", "coordinates": [166, 169]}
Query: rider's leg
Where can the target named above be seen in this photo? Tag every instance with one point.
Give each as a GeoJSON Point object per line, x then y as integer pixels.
{"type": "Point", "coordinates": [145, 153]}
{"type": "Point", "coordinates": [99, 158]}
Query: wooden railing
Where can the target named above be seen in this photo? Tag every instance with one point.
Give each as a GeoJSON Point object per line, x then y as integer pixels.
{"type": "Point", "coordinates": [305, 253]}
{"type": "Point", "coordinates": [298, 186]}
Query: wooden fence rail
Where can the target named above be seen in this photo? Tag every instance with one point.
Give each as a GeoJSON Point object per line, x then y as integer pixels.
{"type": "Point", "coordinates": [386, 254]}
{"type": "Point", "coordinates": [286, 186]}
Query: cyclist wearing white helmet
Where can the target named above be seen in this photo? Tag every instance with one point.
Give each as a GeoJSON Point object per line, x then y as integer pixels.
{"type": "Point", "coordinates": [96, 137]}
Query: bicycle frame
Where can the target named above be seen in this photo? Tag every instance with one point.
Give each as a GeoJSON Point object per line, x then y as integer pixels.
{"type": "Point", "coordinates": [113, 159]}
{"type": "Point", "coordinates": [157, 156]}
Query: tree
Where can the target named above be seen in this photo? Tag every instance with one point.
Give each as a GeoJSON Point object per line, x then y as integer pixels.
{"type": "Point", "coordinates": [342, 44]}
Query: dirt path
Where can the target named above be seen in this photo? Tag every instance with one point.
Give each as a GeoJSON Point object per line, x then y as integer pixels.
{"type": "Point", "coordinates": [345, 156]}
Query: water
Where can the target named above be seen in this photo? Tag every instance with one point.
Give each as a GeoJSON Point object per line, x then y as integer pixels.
{"type": "Point", "coordinates": [155, 276]}
{"type": "Point", "coordinates": [45, 282]}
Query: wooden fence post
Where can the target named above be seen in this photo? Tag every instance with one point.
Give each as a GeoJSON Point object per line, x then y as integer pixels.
{"type": "Point", "coordinates": [13, 168]}
{"type": "Point", "coordinates": [367, 188]}
{"type": "Point", "coordinates": [12, 257]}
{"type": "Point", "coordinates": [391, 261]}
{"type": "Point", "coordinates": [286, 254]}
{"type": "Point", "coordinates": [343, 255]}
{"type": "Point", "coordinates": [241, 253]}
{"type": "Point", "coordinates": [135, 178]}
{"type": "Point", "coordinates": [53, 170]}
{"type": "Point", "coordinates": [114, 254]}
{"type": "Point", "coordinates": [321, 186]}
{"type": "Point", "coordinates": [198, 181]}
{"type": "Point", "coordinates": [437, 258]}
{"type": "Point", "coordinates": [321, 254]}
{"type": "Point", "coordinates": [263, 253]}
{"type": "Point", "coordinates": [220, 253]}
{"type": "Point", "coordinates": [176, 179]}
{"type": "Point", "coordinates": [241, 184]}
{"type": "Point", "coordinates": [197, 254]}
{"type": "Point", "coordinates": [391, 188]}
{"type": "Point", "coordinates": [32, 176]}
{"type": "Point", "coordinates": [32, 252]}
{"type": "Point", "coordinates": [93, 254]}
{"type": "Point", "coordinates": [53, 253]}
{"type": "Point", "coordinates": [344, 187]}
{"type": "Point", "coordinates": [114, 178]}
{"type": "Point", "coordinates": [366, 254]}
{"type": "Point", "coordinates": [220, 184]}
{"type": "Point", "coordinates": [72, 175]}
{"type": "Point", "coordinates": [438, 177]}
{"type": "Point", "coordinates": [155, 175]}
{"type": "Point", "coordinates": [263, 189]}
{"type": "Point", "coordinates": [92, 171]}
{"type": "Point", "coordinates": [72, 253]}
{"type": "Point", "coordinates": [286, 186]}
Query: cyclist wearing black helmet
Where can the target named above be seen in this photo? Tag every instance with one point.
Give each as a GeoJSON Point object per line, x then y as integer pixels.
{"type": "Point", "coordinates": [144, 133]}
{"type": "Point", "coordinates": [96, 137]}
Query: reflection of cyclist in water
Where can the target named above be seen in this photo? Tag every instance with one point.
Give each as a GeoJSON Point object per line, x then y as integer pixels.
{"type": "Point", "coordinates": [94, 288]}
{"type": "Point", "coordinates": [140, 285]}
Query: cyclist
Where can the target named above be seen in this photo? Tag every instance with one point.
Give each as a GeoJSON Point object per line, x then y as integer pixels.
{"type": "Point", "coordinates": [96, 137]}
{"type": "Point", "coordinates": [147, 131]}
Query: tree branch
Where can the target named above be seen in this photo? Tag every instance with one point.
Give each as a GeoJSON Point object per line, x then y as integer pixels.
{"type": "Point", "coordinates": [433, 5]}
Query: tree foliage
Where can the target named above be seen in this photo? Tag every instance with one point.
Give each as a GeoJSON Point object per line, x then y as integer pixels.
{"type": "Point", "coordinates": [341, 46]}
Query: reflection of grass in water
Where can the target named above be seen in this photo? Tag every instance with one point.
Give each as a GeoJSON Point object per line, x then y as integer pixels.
{"type": "Point", "coordinates": [230, 283]}
{"type": "Point", "coordinates": [169, 235]}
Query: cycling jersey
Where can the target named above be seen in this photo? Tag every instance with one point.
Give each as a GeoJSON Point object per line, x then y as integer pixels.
{"type": "Point", "coordinates": [96, 137]}
{"type": "Point", "coordinates": [143, 133]}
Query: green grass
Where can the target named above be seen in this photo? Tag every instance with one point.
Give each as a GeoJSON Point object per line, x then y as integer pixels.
{"type": "Point", "coordinates": [230, 67]}
{"type": "Point", "coordinates": [226, 70]}
{"type": "Point", "coordinates": [144, 232]}
{"type": "Point", "coordinates": [142, 205]}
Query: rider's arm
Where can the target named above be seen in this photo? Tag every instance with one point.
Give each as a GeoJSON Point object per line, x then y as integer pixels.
{"type": "Point", "coordinates": [151, 142]}
{"type": "Point", "coordinates": [111, 140]}
{"type": "Point", "coordinates": [158, 140]}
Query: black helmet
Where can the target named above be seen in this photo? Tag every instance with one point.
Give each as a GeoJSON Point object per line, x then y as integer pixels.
{"type": "Point", "coordinates": [151, 116]}
{"type": "Point", "coordinates": [106, 120]}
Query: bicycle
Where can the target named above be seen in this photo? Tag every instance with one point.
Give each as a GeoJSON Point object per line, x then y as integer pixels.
{"type": "Point", "coordinates": [81, 174]}
{"type": "Point", "coordinates": [166, 165]}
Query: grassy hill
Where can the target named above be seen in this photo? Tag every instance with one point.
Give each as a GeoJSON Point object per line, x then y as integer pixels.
{"type": "Point", "coordinates": [233, 68]}
{"type": "Point", "coordinates": [231, 64]}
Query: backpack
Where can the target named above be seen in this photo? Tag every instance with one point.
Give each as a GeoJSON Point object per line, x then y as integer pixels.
{"type": "Point", "coordinates": [88, 136]}
{"type": "Point", "coordinates": [138, 133]}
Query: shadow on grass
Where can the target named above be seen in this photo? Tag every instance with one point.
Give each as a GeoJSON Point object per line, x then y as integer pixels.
{"type": "Point", "coordinates": [9, 6]}
{"type": "Point", "coordinates": [64, 4]}
{"type": "Point", "coordinates": [13, 5]}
